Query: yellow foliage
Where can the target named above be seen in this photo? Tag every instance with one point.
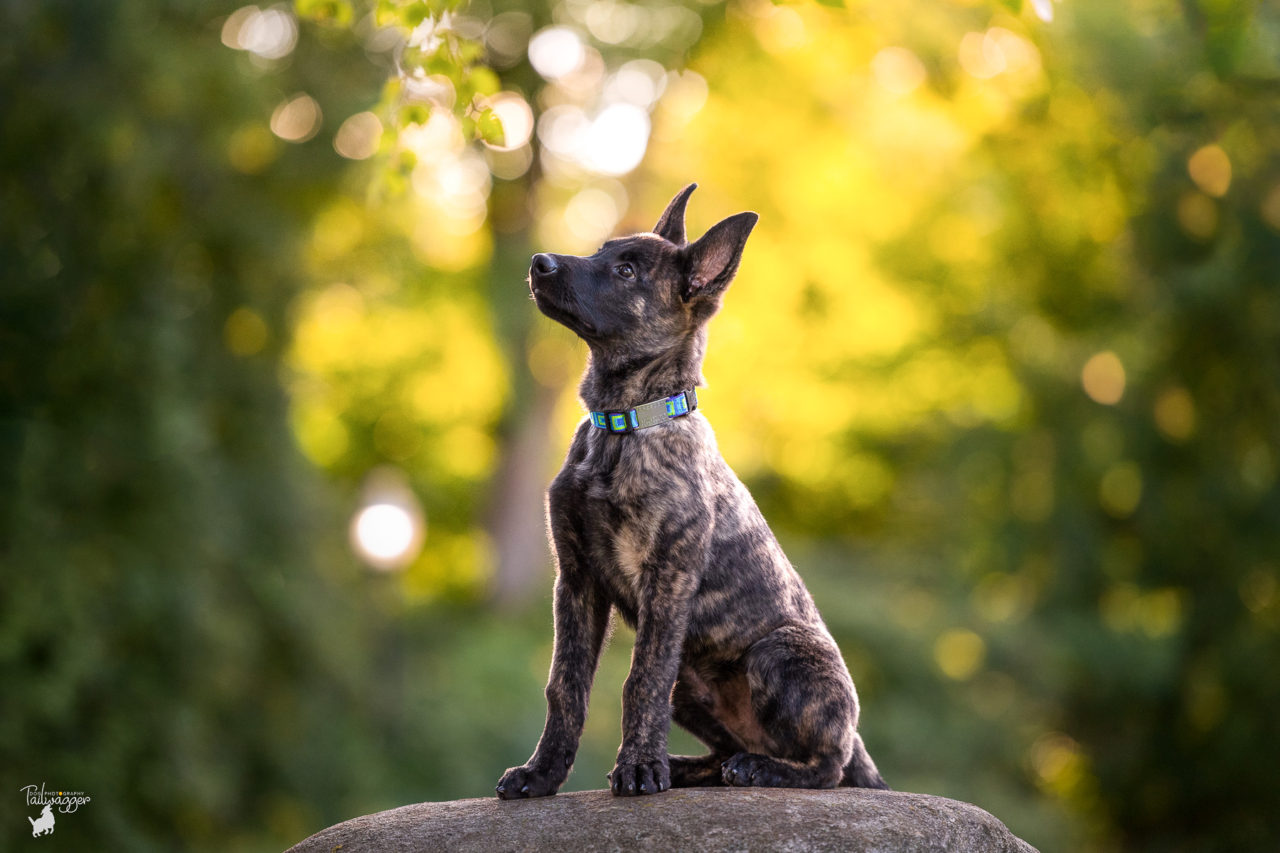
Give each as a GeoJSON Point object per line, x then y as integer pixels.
{"type": "Point", "coordinates": [844, 148]}
{"type": "Point", "coordinates": [1157, 613]}
{"type": "Point", "coordinates": [414, 375]}
{"type": "Point", "coordinates": [457, 561]}
{"type": "Point", "coordinates": [320, 433]}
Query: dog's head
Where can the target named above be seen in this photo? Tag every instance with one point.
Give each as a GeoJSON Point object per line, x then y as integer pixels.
{"type": "Point", "coordinates": [639, 295]}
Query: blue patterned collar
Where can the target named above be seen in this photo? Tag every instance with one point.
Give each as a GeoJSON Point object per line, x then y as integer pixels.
{"type": "Point", "coordinates": [646, 414]}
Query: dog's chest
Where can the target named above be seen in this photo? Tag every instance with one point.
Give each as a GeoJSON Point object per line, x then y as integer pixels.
{"type": "Point", "coordinates": [630, 548]}
{"type": "Point", "coordinates": [631, 496]}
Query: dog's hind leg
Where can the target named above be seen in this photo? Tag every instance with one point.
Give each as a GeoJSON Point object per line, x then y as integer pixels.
{"type": "Point", "coordinates": [803, 699]}
{"type": "Point", "coordinates": [861, 771]}
{"type": "Point", "coordinates": [698, 771]}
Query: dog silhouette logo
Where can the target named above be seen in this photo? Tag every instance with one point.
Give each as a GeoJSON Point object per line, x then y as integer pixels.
{"type": "Point", "coordinates": [42, 825]}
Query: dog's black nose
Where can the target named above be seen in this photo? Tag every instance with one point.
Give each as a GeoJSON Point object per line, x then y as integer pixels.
{"type": "Point", "coordinates": [544, 264]}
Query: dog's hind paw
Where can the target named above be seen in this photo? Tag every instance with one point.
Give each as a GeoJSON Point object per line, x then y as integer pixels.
{"type": "Point", "coordinates": [646, 777]}
{"type": "Point", "coordinates": [747, 770]}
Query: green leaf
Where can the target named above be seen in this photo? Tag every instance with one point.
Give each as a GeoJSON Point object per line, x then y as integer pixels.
{"type": "Point", "coordinates": [470, 51]}
{"type": "Point", "coordinates": [386, 14]}
{"type": "Point", "coordinates": [1014, 6]}
{"type": "Point", "coordinates": [414, 13]}
{"type": "Point", "coordinates": [484, 81]}
{"type": "Point", "coordinates": [490, 127]}
{"type": "Point", "coordinates": [441, 63]}
{"type": "Point", "coordinates": [413, 114]}
{"type": "Point", "coordinates": [334, 12]}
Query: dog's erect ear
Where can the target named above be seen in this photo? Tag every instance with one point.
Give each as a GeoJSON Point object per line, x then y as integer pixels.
{"type": "Point", "coordinates": [713, 259]}
{"type": "Point", "coordinates": [671, 223]}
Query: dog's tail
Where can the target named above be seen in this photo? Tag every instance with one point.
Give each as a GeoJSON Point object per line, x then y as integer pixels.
{"type": "Point", "coordinates": [33, 822]}
{"type": "Point", "coordinates": [861, 771]}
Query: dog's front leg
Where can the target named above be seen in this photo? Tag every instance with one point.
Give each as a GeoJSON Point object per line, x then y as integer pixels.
{"type": "Point", "coordinates": [581, 622]}
{"type": "Point", "coordinates": [581, 619]}
{"type": "Point", "coordinates": [661, 623]}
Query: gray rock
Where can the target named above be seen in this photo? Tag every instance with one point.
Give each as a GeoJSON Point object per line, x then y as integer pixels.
{"type": "Point", "coordinates": [695, 819]}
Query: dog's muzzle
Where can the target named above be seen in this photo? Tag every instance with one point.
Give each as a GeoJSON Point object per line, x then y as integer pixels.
{"type": "Point", "coordinates": [542, 270]}
{"type": "Point", "coordinates": [544, 265]}
{"type": "Point", "coordinates": [553, 293]}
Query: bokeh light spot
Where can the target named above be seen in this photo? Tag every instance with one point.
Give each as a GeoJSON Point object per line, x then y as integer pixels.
{"type": "Point", "coordinates": [507, 38]}
{"type": "Point", "coordinates": [685, 96]}
{"type": "Point", "coordinates": [297, 119]}
{"type": "Point", "coordinates": [781, 29]}
{"type": "Point", "coordinates": [591, 215]}
{"type": "Point", "coordinates": [1058, 762]}
{"type": "Point", "coordinates": [556, 52]}
{"type": "Point", "coordinates": [612, 22]}
{"type": "Point", "coordinates": [1258, 589]}
{"type": "Point", "coordinates": [516, 118]}
{"type": "Point", "coordinates": [251, 149]}
{"type": "Point", "coordinates": [384, 534]}
{"type": "Point", "coordinates": [1198, 215]}
{"type": "Point", "coordinates": [321, 434]}
{"type": "Point", "coordinates": [1257, 467]}
{"type": "Point", "coordinates": [266, 33]}
{"type": "Point", "coordinates": [1002, 597]}
{"type": "Point", "coordinates": [1270, 208]}
{"type": "Point", "coordinates": [1210, 168]}
{"type": "Point", "coordinates": [1103, 378]}
{"type": "Point", "coordinates": [1175, 414]}
{"type": "Point", "coordinates": [1121, 489]}
{"type": "Point", "coordinates": [234, 23]}
{"type": "Point", "coordinates": [245, 333]}
{"type": "Point", "coordinates": [562, 128]}
{"type": "Point", "coordinates": [617, 139]}
{"type": "Point", "coordinates": [640, 82]}
{"type": "Point", "coordinates": [981, 55]}
{"type": "Point", "coordinates": [959, 653]}
{"type": "Point", "coordinates": [898, 70]}
{"type": "Point", "coordinates": [358, 137]}
{"type": "Point", "coordinates": [388, 530]}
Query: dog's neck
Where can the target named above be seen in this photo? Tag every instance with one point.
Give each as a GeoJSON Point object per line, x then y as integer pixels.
{"type": "Point", "coordinates": [614, 384]}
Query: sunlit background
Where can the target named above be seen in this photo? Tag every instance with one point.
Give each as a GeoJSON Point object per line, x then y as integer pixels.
{"type": "Point", "coordinates": [1002, 367]}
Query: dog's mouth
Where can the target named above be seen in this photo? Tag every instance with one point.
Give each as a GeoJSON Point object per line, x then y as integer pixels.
{"type": "Point", "coordinates": [562, 314]}
{"type": "Point", "coordinates": [539, 291]}
{"type": "Point", "coordinates": [563, 311]}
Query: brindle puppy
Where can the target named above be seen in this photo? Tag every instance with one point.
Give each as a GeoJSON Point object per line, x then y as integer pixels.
{"type": "Point", "coordinates": [652, 521]}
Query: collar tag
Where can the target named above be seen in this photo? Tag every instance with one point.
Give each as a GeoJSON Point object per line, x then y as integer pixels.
{"type": "Point", "coordinates": [646, 414]}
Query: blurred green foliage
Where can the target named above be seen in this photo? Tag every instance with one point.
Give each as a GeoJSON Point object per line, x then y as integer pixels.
{"type": "Point", "coordinates": [1012, 304]}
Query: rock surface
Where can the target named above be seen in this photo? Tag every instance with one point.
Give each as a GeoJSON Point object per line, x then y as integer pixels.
{"type": "Point", "coordinates": [695, 819]}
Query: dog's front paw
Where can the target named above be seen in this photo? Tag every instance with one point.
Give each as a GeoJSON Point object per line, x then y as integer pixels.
{"type": "Point", "coordinates": [521, 782]}
{"type": "Point", "coordinates": [643, 777]}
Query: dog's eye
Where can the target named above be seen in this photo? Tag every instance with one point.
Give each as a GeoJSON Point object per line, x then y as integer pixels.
{"type": "Point", "coordinates": [626, 271]}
